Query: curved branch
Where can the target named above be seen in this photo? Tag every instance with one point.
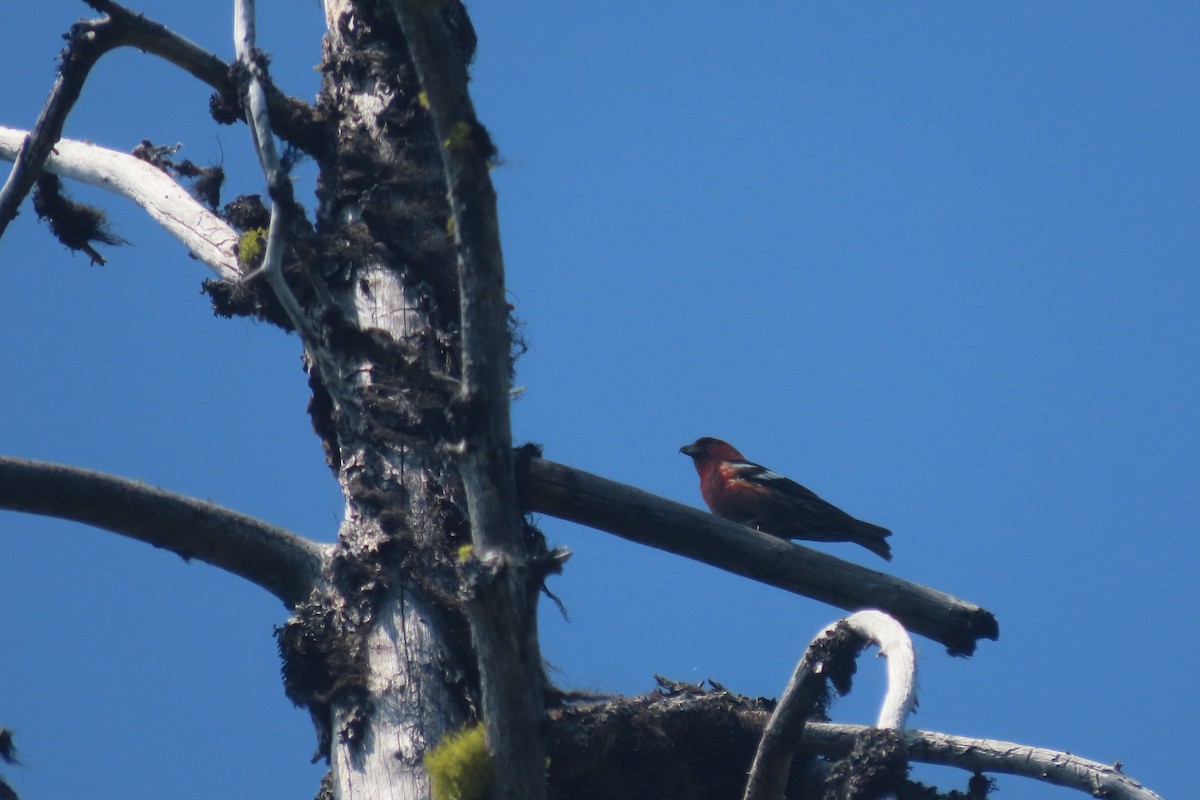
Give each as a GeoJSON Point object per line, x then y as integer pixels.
{"type": "Point", "coordinates": [279, 187]}
{"type": "Point", "coordinates": [89, 40]}
{"type": "Point", "coordinates": [286, 564]}
{"type": "Point", "coordinates": [989, 755]}
{"type": "Point", "coordinates": [830, 658]}
{"type": "Point", "coordinates": [833, 649]}
{"type": "Point", "coordinates": [205, 234]}
{"type": "Point", "coordinates": [639, 516]}
{"type": "Point", "coordinates": [300, 125]}
{"type": "Point", "coordinates": [135, 30]}
{"type": "Point", "coordinates": [895, 645]}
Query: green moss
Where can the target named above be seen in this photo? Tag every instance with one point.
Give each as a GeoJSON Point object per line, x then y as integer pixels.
{"type": "Point", "coordinates": [460, 137]}
{"type": "Point", "coordinates": [250, 247]}
{"type": "Point", "coordinates": [460, 767]}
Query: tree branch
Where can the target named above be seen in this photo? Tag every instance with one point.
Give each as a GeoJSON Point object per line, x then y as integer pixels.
{"type": "Point", "coordinates": [704, 741]}
{"type": "Point", "coordinates": [283, 204]}
{"type": "Point", "coordinates": [501, 603]}
{"type": "Point", "coordinates": [88, 40]}
{"type": "Point", "coordinates": [989, 755]}
{"type": "Point", "coordinates": [286, 564]}
{"type": "Point", "coordinates": [833, 650]}
{"type": "Point", "coordinates": [896, 646]}
{"type": "Point", "coordinates": [197, 228]}
{"type": "Point", "coordinates": [829, 658]}
{"type": "Point", "coordinates": [639, 516]}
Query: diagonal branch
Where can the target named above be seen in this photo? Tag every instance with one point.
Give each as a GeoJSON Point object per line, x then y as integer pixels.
{"type": "Point", "coordinates": [989, 755]}
{"type": "Point", "coordinates": [830, 655]}
{"type": "Point", "coordinates": [126, 28]}
{"type": "Point", "coordinates": [283, 204]}
{"type": "Point", "coordinates": [87, 42]}
{"type": "Point", "coordinates": [639, 516]}
{"type": "Point", "coordinates": [502, 604]}
{"type": "Point", "coordinates": [204, 233]}
{"type": "Point", "coordinates": [286, 564]}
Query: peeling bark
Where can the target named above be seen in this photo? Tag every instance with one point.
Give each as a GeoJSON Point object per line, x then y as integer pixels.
{"type": "Point", "coordinates": [384, 657]}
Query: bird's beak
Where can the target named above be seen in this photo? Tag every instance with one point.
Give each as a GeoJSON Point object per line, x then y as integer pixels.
{"type": "Point", "coordinates": [690, 450]}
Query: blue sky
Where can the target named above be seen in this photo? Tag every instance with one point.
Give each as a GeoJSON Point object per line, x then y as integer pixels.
{"type": "Point", "coordinates": [936, 261]}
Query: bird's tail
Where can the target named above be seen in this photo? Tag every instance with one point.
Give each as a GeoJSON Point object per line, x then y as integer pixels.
{"type": "Point", "coordinates": [872, 537]}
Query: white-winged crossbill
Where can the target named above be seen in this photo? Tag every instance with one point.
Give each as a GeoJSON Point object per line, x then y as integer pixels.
{"type": "Point", "coordinates": [750, 494]}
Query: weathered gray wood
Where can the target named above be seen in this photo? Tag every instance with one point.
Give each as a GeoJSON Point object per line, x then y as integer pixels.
{"type": "Point", "coordinates": [198, 229]}
{"type": "Point", "coordinates": [502, 596]}
{"type": "Point", "coordinates": [841, 641]}
{"type": "Point", "coordinates": [390, 349]}
{"type": "Point", "coordinates": [639, 516]}
{"type": "Point", "coordinates": [990, 755]}
{"type": "Point", "coordinates": [284, 563]}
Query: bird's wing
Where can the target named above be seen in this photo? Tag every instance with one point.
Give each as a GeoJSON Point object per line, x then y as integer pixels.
{"type": "Point", "coordinates": [769, 479]}
{"type": "Point", "coordinates": [781, 499]}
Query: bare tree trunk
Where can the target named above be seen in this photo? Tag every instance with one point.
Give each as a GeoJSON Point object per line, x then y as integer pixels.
{"type": "Point", "coordinates": [383, 657]}
{"type": "Point", "coordinates": [410, 706]}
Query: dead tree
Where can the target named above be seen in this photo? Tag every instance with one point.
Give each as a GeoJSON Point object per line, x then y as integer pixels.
{"type": "Point", "coordinates": [420, 621]}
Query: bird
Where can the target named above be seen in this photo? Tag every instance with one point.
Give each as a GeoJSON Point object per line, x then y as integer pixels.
{"type": "Point", "coordinates": [752, 495]}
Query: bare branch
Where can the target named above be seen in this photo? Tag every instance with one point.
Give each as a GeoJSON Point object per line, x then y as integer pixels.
{"type": "Point", "coordinates": [828, 658]}
{"type": "Point", "coordinates": [87, 42]}
{"type": "Point", "coordinates": [286, 564]}
{"type": "Point", "coordinates": [78, 58]}
{"type": "Point", "coordinates": [282, 202]}
{"type": "Point", "coordinates": [295, 121]}
{"type": "Point", "coordinates": [135, 30]}
{"type": "Point", "coordinates": [599, 738]}
{"type": "Point", "coordinates": [491, 489]}
{"type": "Point", "coordinates": [91, 39]}
{"type": "Point", "coordinates": [197, 228]}
{"type": "Point", "coordinates": [989, 755]}
{"type": "Point", "coordinates": [502, 607]}
{"type": "Point", "coordinates": [895, 645]}
{"type": "Point", "coordinates": [639, 516]}
{"type": "Point", "coordinates": [830, 654]}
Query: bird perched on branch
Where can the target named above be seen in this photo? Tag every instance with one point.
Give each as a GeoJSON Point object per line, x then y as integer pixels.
{"type": "Point", "coordinates": [750, 494]}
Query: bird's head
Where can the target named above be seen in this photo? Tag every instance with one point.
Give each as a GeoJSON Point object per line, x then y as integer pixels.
{"type": "Point", "coordinates": [706, 448]}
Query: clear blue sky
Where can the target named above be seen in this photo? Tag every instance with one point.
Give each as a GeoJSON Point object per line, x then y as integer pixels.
{"type": "Point", "coordinates": [937, 261]}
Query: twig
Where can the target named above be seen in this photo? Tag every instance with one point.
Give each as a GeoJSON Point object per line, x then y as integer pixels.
{"type": "Point", "coordinates": [639, 516]}
{"type": "Point", "coordinates": [258, 118]}
{"type": "Point", "coordinates": [205, 234]}
{"type": "Point", "coordinates": [502, 607]}
{"type": "Point", "coordinates": [989, 755]}
{"type": "Point", "coordinates": [286, 564]}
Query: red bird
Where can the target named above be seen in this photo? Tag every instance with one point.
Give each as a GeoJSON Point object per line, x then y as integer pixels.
{"type": "Point", "coordinates": [753, 495]}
